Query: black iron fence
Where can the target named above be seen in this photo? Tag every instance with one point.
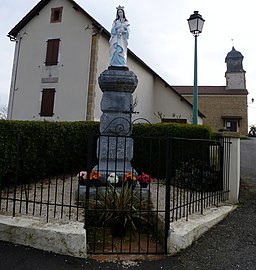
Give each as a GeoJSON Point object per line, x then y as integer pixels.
{"type": "Point", "coordinates": [124, 211]}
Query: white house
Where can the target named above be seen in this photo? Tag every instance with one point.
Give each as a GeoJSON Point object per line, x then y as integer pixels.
{"type": "Point", "coordinates": [60, 52]}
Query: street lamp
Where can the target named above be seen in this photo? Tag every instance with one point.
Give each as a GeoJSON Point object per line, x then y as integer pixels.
{"type": "Point", "coordinates": [196, 23]}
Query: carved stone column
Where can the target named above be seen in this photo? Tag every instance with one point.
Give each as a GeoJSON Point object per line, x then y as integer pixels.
{"type": "Point", "coordinates": [115, 146]}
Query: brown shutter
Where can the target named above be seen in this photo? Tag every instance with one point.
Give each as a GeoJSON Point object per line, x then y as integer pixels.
{"type": "Point", "coordinates": [47, 103]}
{"type": "Point", "coordinates": [56, 14]}
{"type": "Point", "coordinates": [52, 52]}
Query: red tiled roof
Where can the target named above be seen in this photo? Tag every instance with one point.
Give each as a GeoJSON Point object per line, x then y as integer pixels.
{"type": "Point", "coordinates": [209, 90]}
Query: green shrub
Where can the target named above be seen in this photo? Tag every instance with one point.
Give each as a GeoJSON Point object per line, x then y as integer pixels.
{"type": "Point", "coordinates": [36, 149]}
{"type": "Point", "coordinates": [198, 175]}
{"type": "Point", "coordinates": [159, 145]}
{"type": "Point", "coordinates": [31, 149]}
{"type": "Point", "coordinates": [172, 130]}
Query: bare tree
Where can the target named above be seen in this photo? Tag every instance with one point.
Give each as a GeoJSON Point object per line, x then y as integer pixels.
{"type": "Point", "coordinates": [159, 115]}
{"type": "Point", "coordinates": [3, 112]}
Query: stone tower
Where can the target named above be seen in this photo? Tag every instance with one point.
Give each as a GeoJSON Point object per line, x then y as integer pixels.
{"type": "Point", "coordinates": [235, 74]}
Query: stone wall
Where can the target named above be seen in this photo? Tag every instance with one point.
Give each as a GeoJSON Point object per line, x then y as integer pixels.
{"type": "Point", "coordinates": [214, 107]}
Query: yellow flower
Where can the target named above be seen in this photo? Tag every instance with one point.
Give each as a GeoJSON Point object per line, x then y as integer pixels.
{"type": "Point", "coordinates": [95, 175]}
{"type": "Point", "coordinates": [129, 176]}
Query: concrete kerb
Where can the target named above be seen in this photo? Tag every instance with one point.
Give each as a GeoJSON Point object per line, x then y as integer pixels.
{"type": "Point", "coordinates": [62, 238]}
{"type": "Point", "coordinates": [70, 238]}
{"type": "Point", "coordinates": [183, 233]}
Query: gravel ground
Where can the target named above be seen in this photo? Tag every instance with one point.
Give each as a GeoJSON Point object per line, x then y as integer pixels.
{"type": "Point", "coordinates": [231, 244]}
{"type": "Point", "coordinates": [56, 199]}
{"type": "Point", "coordinates": [59, 192]}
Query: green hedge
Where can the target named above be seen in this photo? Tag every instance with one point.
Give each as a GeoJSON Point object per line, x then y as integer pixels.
{"type": "Point", "coordinates": [33, 149]}
{"type": "Point", "coordinates": [173, 130]}
{"type": "Point", "coordinates": [157, 145]}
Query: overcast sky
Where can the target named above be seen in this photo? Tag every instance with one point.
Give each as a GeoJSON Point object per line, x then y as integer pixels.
{"type": "Point", "coordinates": [160, 37]}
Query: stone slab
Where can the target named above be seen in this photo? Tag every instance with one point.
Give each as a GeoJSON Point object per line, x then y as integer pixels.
{"type": "Point", "coordinates": [183, 233]}
{"type": "Point", "coordinates": [116, 101]}
{"type": "Point", "coordinates": [62, 238]}
{"type": "Point", "coordinates": [118, 80]}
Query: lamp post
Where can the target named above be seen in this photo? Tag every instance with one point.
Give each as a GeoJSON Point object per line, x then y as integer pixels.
{"type": "Point", "coordinates": [196, 23]}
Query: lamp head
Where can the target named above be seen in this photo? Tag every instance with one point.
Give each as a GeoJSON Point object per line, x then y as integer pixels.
{"type": "Point", "coordinates": [196, 23]}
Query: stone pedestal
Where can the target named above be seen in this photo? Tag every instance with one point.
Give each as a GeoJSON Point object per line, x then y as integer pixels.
{"type": "Point", "coordinates": [115, 146]}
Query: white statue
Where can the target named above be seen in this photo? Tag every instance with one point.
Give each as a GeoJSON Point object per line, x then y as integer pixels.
{"type": "Point", "coordinates": [118, 41]}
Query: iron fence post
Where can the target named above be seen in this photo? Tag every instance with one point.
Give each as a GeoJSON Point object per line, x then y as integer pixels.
{"type": "Point", "coordinates": [89, 167]}
{"type": "Point", "coordinates": [168, 192]}
{"type": "Point", "coordinates": [16, 173]}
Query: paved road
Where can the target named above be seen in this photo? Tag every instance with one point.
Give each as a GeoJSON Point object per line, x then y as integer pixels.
{"type": "Point", "coordinates": [248, 159]}
{"type": "Point", "coordinates": [230, 245]}
{"type": "Point", "coordinates": [248, 168]}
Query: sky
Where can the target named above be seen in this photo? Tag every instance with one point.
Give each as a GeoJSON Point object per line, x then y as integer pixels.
{"type": "Point", "coordinates": [161, 38]}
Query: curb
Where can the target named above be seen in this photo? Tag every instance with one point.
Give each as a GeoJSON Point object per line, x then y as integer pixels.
{"type": "Point", "coordinates": [70, 238]}
{"type": "Point", "coordinates": [183, 233]}
{"type": "Point", "coordinates": [62, 238]}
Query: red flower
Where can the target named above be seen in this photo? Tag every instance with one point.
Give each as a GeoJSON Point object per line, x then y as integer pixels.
{"type": "Point", "coordinates": [144, 178]}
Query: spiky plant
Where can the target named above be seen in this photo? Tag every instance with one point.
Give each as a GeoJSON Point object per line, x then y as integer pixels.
{"type": "Point", "coordinates": [120, 206]}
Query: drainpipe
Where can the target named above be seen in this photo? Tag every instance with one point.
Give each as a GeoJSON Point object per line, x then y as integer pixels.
{"type": "Point", "coordinates": [14, 75]}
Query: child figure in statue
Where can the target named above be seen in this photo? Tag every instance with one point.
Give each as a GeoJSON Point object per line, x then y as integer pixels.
{"type": "Point", "coordinates": [118, 41]}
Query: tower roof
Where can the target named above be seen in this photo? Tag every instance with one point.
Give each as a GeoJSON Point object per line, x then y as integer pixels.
{"type": "Point", "coordinates": [234, 60]}
{"type": "Point", "coordinates": [234, 55]}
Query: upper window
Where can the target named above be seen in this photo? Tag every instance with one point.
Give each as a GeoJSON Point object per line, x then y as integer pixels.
{"type": "Point", "coordinates": [56, 14]}
{"type": "Point", "coordinates": [52, 52]}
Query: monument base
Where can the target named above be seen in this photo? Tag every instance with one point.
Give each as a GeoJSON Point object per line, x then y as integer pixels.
{"type": "Point", "coordinates": [115, 145]}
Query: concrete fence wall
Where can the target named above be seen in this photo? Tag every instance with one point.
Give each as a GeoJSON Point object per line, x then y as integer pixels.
{"type": "Point", "coordinates": [234, 169]}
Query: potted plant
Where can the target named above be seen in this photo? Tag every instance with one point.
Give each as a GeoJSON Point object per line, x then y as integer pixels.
{"type": "Point", "coordinates": [252, 132]}
{"type": "Point", "coordinates": [130, 179]}
{"type": "Point", "coordinates": [113, 179]}
{"type": "Point", "coordinates": [120, 208]}
{"type": "Point", "coordinates": [82, 176]}
{"type": "Point", "coordinates": [94, 178]}
{"type": "Point", "coordinates": [144, 179]}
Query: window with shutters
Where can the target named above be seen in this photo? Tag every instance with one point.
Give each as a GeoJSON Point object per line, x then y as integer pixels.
{"type": "Point", "coordinates": [56, 14]}
{"type": "Point", "coordinates": [52, 52]}
{"type": "Point", "coordinates": [47, 102]}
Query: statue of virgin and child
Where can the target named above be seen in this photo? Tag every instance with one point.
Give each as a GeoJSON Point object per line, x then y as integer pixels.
{"type": "Point", "coordinates": [118, 40]}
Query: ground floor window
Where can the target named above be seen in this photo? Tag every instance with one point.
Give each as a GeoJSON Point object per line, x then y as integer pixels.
{"type": "Point", "coordinates": [47, 102]}
{"type": "Point", "coordinates": [231, 123]}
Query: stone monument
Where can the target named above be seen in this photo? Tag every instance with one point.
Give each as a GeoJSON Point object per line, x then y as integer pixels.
{"type": "Point", "coordinates": [115, 145]}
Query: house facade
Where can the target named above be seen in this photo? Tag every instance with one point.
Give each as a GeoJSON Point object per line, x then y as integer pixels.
{"type": "Point", "coordinates": [59, 54]}
{"type": "Point", "coordinates": [224, 107]}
